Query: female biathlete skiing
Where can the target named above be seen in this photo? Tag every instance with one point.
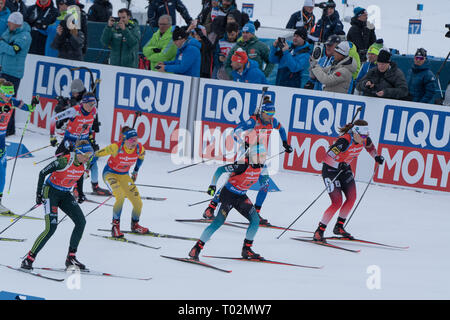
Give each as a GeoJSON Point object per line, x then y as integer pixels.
{"type": "Point", "coordinates": [257, 130]}
{"type": "Point", "coordinates": [123, 155]}
{"type": "Point", "coordinates": [337, 162]}
{"type": "Point", "coordinates": [7, 105]}
{"type": "Point", "coordinates": [56, 193]}
{"type": "Point", "coordinates": [233, 195]}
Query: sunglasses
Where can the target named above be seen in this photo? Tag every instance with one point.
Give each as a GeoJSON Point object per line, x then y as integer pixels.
{"type": "Point", "coordinates": [420, 58]}
{"type": "Point", "coordinates": [269, 113]}
{"type": "Point", "coordinates": [364, 136]}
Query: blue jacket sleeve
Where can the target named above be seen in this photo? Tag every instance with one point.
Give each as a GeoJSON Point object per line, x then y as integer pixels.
{"type": "Point", "coordinates": [241, 127]}
{"type": "Point", "coordinates": [272, 57]}
{"type": "Point", "coordinates": [297, 63]}
{"type": "Point", "coordinates": [181, 66]}
{"type": "Point", "coordinates": [430, 88]}
{"type": "Point", "coordinates": [220, 170]}
{"type": "Point", "coordinates": [277, 125]}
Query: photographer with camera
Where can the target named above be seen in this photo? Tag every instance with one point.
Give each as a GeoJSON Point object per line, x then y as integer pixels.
{"type": "Point", "coordinates": [323, 61]}
{"type": "Point", "coordinates": [329, 24]}
{"type": "Point", "coordinates": [68, 42]}
{"type": "Point", "coordinates": [122, 34]}
{"type": "Point", "coordinates": [338, 76]}
{"type": "Point", "coordinates": [384, 81]}
{"type": "Point", "coordinates": [39, 16]}
{"type": "Point", "coordinates": [293, 59]}
{"type": "Point", "coordinates": [160, 47]}
{"type": "Point", "coordinates": [303, 18]}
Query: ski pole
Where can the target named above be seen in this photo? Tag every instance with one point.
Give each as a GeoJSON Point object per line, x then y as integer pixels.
{"type": "Point", "coordinates": [165, 187]}
{"type": "Point", "coordinates": [359, 201]}
{"type": "Point", "coordinates": [101, 204]}
{"type": "Point", "coordinates": [21, 216]}
{"type": "Point", "coordinates": [55, 156]}
{"type": "Point", "coordinates": [190, 165]}
{"type": "Point", "coordinates": [194, 204]}
{"type": "Point", "coordinates": [17, 153]}
{"type": "Point", "coordinates": [24, 154]}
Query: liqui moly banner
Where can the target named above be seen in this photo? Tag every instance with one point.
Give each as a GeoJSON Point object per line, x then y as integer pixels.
{"type": "Point", "coordinates": [222, 106]}
{"type": "Point", "coordinates": [416, 148]}
{"type": "Point", "coordinates": [53, 79]}
{"type": "Point", "coordinates": [162, 103]}
{"type": "Point", "coordinates": [314, 123]}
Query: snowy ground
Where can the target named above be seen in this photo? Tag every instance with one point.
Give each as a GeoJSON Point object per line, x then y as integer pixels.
{"type": "Point", "coordinates": [393, 216]}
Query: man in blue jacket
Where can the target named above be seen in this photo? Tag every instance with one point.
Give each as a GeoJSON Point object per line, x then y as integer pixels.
{"type": "Point", "coordinates": [245, 69]}
{"type": "Point", "coordinates": [293, 60]}
{"type": "Point", "coordinates": [421, 80]}
{"type": "Point", "coordinates": [14, 46]}
{"type": "Point", "coordinates": [4, 14]}
{"type": "Point", "coordinates": [188, 59]}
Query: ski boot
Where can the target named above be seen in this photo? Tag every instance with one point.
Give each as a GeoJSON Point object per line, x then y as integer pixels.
{"type": "Point", "coordinates": [195, 251]}
{"type": "Point", "coordinates": [136, 228]}
{"type": "Point", "coordinates": [262, 221]}
{"type": "Point", "coordinates": [339, 229]}
{"type": "Point", "coordinates": [27, 263]}
{"type": "Point", "coordinates": [318, 234]}
{"type": "Point", "coordinates": [115, 231]}
{"type": "Point", "coordinates": [100, 191]}
{"type": "Point", "coordinates": [247, 252]}
{"type": "Point", "coordinates": [209, 212]}
{"type": "Point", "coordinates": [71, 261]}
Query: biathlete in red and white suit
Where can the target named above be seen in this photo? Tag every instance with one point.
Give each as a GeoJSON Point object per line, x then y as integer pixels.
{"type": "Point", "coordinates": [337, 162]}
{"type": "Point", "coordinates": [234, 195]}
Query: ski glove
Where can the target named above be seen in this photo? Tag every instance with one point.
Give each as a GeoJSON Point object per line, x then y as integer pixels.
{"type": "Point", "coordinates": [134, 176]}
{"type": "Point", "coordinates": [53, 141]}
{"type": "Point", "coordinates": [39, 199]}
{"type": "Point", "coordinates": [287, 147]}
{"type": "Point", "coordinates": [343, 166]}
{"type": "Point", "coordinates": [81, 198]}
{"type": "Point", "coordinates": [379, 159]}
{"type": "Point", "coordinates": [211, 190]}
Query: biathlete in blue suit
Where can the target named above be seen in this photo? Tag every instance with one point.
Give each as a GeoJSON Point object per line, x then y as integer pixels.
{"type": "Point", "coordinates": [257, 130]}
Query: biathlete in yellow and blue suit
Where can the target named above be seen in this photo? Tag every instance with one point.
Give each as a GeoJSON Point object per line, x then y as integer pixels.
{"type": "Point", "coordinates": [123, 155]}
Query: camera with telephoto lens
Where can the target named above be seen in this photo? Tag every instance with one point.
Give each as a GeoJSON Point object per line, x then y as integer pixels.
{"type": "Point", "coordinates": [447, 35]}
{"type": "Point", "coordinates": [281, 42]}
{"type": "Point", "coordinates": [324, 5]}
{"type": "Point", "coordinates": [317, 51]}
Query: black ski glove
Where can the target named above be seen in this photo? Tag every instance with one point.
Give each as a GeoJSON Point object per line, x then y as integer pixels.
{"type": "Point", "coordinates": [39, 199]}
{"type": "Point", "coordinates": [81, 198]}
{"type": "Point", "coordinates": [287, 147]}
{"type": "Point", "coordinates": [211, 190]}
{"type": "Point", "coordinates": [343, 166]}
{"type": "Point", "coordinates": [379, 159]}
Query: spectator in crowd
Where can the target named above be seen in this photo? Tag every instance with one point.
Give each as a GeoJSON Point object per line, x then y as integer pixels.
{"type": "Point", "coordinates": [160, 47]}
{"type": "Point", "coordinates": [188, 59]}
{"type": "Point", "coordinates": [223, 48]}
{"type": "Point", "coordinates": [16, 5]}
{"type": "Point", "coordinates": [84, 25]}
{"type": "Point", "coordinates": [123, 37]}
{"type": "Point", "coordinates": [324, 61]}
{"type": "Point", "coordinates": [198, 32]}
{"type": "Point", "coordinates": [245, 69]}
{"type": "Point", "coordinates": [303, 18]}
{"type": "Point", "coordinates": [100, 11]}
{"type": "Point", "coordinates": [14, 46]}
{"type": "Point", "coordinates": [39, 16]}
{"type": "Point", "coordinates": [361, 32]}
{"type": "Point", "coordinates": [157, 8]}
{"type": "Point", "coordinates": [4, 14]}
{"type": "Point", "coordinates": [51, 29]}
{"type": "Point", "coordinates": [338, 76]}
{"type": "Point", "coordinates": [371, 62]}
{"type": "Point", "coordinates": [228, 5]}
{"type": "Point", "coordinates": [68, 42]}
{"type": "Point", "coordinates": [255, 49]}
{"type": "Point", "coordinates": [293, 60]}
{"type": "Point", "coordinates": [329, 24]}
{"type": "Point", "coordinates": [210, 10]}
{"type": "Point", "coordinates": [354, 54]}
{"type": "Point", "coordinates": [421, 81]}
{"type": "Point", "coordinates": [384, 81]}
{"type": "Point", "coordinates": [218, 26]}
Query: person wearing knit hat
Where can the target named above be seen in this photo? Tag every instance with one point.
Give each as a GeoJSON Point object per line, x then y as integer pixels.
{"type": "Point", "coordinates": [292, 60]}
{"type": "Point", "coordinates": [372, 56]}
{"type": "Point", "coordinates": [303, 18]}
{"type": "Point", "coordinates": [188, 59]}
{"type": "Point", "coordinates": [384, 81]}
{"type": "Point", "coordinates": [255, 49]}
{"type": "Point", "coordinates": [245, 69]}
{"type": "Point", "coordinates": [422, 84]}
{"type": "Point", "coordinates": [16, 18]}
{"type": "Point", "coordinates": [339, 75]}
{"type": "Point", "coordinates": [361, 32]}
